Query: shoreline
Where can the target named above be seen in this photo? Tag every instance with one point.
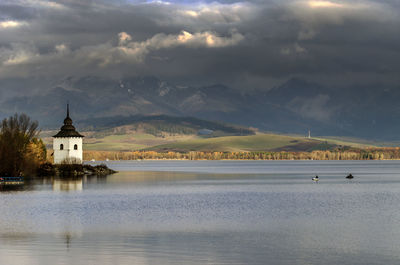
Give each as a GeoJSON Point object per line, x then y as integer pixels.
{"type": "Point", "coordinates": [143, 160]}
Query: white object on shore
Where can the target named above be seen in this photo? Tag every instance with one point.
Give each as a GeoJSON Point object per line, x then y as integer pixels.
{"type": "Point", "coordinates": [67, 143]}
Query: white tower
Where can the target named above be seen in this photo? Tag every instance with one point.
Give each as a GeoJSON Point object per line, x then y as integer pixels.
{"type": "Point", "coordinates": [67, 143]}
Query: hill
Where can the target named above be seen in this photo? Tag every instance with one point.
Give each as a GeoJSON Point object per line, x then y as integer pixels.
{"type": "Point", "coordinates": [159, 125]}
{"type": "Point", "coordinates": [138, 132]}
{"type": "Point", "coordinates": [259, 142]}
{"type": "Point", "coordinates": [164, 133]}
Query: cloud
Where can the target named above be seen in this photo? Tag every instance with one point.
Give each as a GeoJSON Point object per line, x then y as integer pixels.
{"type": "Point", "coordinates": [136, 51]}
{"type": "Point", "coordinates": [232, 42]}
{"type": "Point", "coordinates": [17, 54]}
{"type": "Point", "coordinates": [325, 4]}
{"type": "Point", "coordinates": [315, 15]}
{"type": "Point", "coordinates": [293, 49]}
{"type": "Point", "coordinates": [316, 108]}
{"type": "Point", "coordinates": [218, 13]}
{"type": "Point", "coordinates": [199, 39]}
{"type": "Point", "coordinates": [105, 54]}
{"type": "Point", "coordinates": [35, 3]}
{"type": "Point", "coordinates": [61, 48]}
{"type": "Point", "coordinates": [7, 24]}
{"type": "Point", "coordinates": [124, 38]}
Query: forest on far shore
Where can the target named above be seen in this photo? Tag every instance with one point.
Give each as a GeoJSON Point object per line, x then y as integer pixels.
{"type": "Point", "coordinates": [348, 154]}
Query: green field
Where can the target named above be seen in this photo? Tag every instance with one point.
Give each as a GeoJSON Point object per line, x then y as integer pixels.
{"type": "Point", "coordinates": [130, 142]}
{"type": "Point", "coordinates": [355, 142]}
{"type": "Point", "coordinates": [259, 142]}
{"type": "Point", "coordinates": [125, 142]}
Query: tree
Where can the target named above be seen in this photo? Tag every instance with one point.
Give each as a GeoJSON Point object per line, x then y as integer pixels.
{"type": "Point", "coordinates": [20, 150]}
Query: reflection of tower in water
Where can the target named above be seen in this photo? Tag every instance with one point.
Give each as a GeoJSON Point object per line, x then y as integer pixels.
{"type": "Point", "coordinates": [68, 218]}
{"type": "Point", "coordinates": [76, 183]}
{"type": "Point", "coordinates": [68, 184]}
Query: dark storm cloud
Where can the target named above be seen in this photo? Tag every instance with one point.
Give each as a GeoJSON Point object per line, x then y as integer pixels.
{"type": "Point", "coordinates": [248, 44]}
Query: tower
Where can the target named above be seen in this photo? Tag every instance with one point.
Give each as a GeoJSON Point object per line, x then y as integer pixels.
{"type": "Point", "coordinates": [67, 143]}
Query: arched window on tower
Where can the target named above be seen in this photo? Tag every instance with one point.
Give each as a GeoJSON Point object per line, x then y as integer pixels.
{"type": "Point", "coordinates": [76, 147]}
{"type": "Point", "coordinates": [61, 147]}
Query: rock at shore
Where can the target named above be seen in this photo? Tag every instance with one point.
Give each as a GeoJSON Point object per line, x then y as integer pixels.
{"type": "Point", "coordinates": [49, 169]}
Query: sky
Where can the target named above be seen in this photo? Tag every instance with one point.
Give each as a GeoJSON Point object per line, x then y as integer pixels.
{"type": "Point", "coordinates": [244, 44]}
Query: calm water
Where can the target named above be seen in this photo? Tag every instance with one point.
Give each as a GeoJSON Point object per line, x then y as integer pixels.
{"type": "Point", "coordinates": [208, 213]}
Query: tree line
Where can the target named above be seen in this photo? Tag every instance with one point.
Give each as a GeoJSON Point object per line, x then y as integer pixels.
{"type": "Point", "coordinates": [350, 154]}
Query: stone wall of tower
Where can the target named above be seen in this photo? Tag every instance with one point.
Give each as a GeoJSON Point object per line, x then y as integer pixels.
{"type": "Point", "coordinates": [68, 154]}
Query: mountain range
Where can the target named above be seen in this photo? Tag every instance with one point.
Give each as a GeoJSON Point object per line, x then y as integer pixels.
{"type": "Point", "coordinates": [295, 106]}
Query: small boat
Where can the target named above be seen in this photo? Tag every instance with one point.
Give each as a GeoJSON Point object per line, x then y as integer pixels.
{"type": "Point", "coordinates": [350, 176]}
{"type": "Point", "coordinates": [11, 180]}
{"type": "Point", "coordinates": [316, 178]}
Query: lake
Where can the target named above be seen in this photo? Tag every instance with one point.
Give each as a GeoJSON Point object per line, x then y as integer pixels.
{"type": "Point", "coordinates": [208, 212]}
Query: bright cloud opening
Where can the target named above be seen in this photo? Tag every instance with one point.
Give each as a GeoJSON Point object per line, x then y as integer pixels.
{"type": "Point", "coordinates": [219, 13]}
{"type": "Point", "coordinates": [324, 4]}
{"type": "Point", "coordinates": [191, 13]}
{"type": "Point", "coordinates": [184, 36]}
{"type": "Point", "coordinates": [10, 24]}
{"type": "Point", "coordinates": [124, 38]}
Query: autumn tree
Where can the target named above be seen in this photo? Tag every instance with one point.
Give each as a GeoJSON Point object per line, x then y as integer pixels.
{"type": "Point", "coordinates": [21, 152]}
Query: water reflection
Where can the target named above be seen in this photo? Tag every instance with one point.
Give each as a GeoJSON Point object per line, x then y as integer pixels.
{"type": "Point", "coordinates": [55, 183]}
{"type": "Point", "coordinates": [67, 239]}
{"type": "Point", "coordinates": [10, 188]}
{"type": "Point", "coordinates": [68, 184]}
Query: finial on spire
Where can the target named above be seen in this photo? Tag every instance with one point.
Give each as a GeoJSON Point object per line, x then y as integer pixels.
{"type": "Point", "coordinates": [67, 109]}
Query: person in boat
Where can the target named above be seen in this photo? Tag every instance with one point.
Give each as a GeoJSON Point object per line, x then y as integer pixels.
{"type": "Point", "coordinates": [316, 178]}
{"type": "Point", "coordinates": [350, 176]}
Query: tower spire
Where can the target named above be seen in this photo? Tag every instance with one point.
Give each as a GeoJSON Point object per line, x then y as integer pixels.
{"type": "Point", "coordinates": [67, 109]}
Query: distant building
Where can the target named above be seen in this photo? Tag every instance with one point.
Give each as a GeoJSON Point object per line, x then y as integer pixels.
{"type": "Point", "coordinates": [67, 143]}
{"type": "Point", "coordinates": [205, 132]}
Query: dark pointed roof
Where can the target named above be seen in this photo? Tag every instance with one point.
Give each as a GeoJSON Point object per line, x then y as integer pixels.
{"type": "Point", "coordinates": [68, 130]}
